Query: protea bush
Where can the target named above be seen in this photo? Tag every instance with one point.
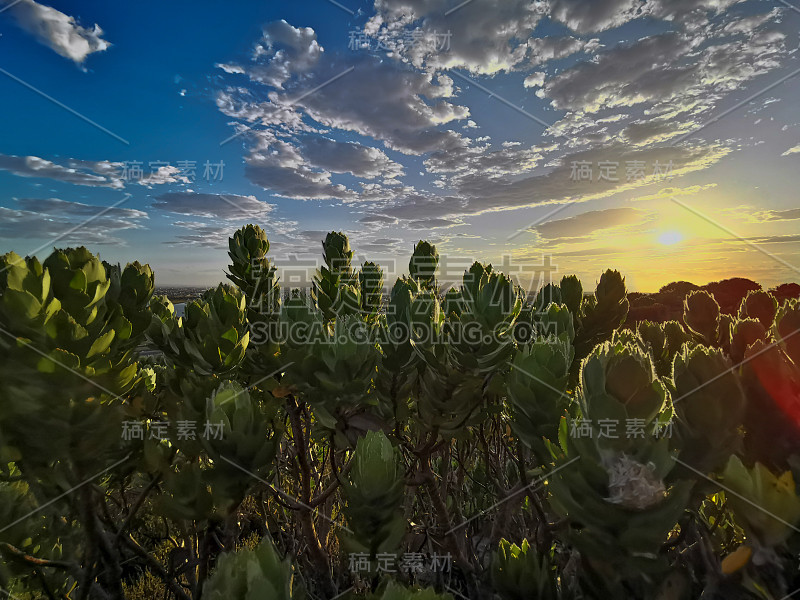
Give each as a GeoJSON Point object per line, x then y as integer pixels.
{"type": "Point", "coordinates": [390, 440]}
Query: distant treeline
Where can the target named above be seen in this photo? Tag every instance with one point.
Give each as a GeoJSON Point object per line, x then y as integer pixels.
{"type": "Point", "coordinates": [667, 303]}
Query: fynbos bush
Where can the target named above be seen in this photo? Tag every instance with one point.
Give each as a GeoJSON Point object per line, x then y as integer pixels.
{"type": "Point", "coordinates": [425, 443]}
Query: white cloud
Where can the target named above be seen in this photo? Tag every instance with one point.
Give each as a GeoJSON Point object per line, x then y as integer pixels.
{"type": "Point", "coordinates": [383, 101]}
{"type": "Point", "coordinates": [487, 36]}
{"type": "Point", "coordinates": [282, 52]}
{"type": "Point", "coordinates": [280, 167]}
{"type": "Point", "coordinates": [387, 102]}
{"type": "Point", "coordinates": [59, 31]}
{"type": "Point", "coordinates": [693, 11]}
{"type": "Point", "coordinates": [621, 104]}
{"type": "Point", "coordinates": [230, 68]}
{"type": "Point", "coordinates": [535, 79]}
{"type": "Point", "coordinates": [343, 157]}
{"type": "Point", "coordinates": [78, 172]}
{"type": "Point", "coordinates": [162, 175]}
{"type": "Point", "coordinates": [673, 80]}
{"type": "Point", "coordinates": [625, 76]}
{"type": "Point", "coordinates": [596, 15]}
{"type": "Point", "coordinates": [511, 159]}
{"type": "Point", "coordinates": [93, 173]}
{"type": "Point", "coordinates": [545, 49]}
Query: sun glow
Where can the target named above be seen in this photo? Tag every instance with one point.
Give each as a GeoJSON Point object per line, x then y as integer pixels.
{"type": "Point", "coordinates": [670, 238]}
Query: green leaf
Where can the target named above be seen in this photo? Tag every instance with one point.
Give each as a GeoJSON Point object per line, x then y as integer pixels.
{"type": "Point", "coordinates": [101, 344]}
{"type": "Point", "coordinates": [231, 335]}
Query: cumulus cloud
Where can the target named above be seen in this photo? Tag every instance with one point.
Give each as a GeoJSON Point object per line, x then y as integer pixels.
{"type": "Point", "coordinates": [51, 218]}
{"type": "Point", "coordinates": [597, 15]}
{"type": "Point", "coordinates": [345, 157]}
{"type": "Point", "coordinates": [545, 49]}
{"type": "Point", "coordinates": [674, 80]}
{"type": "Point", "coordinates": [282, 52]}
{"type": "Point", "coordinates": [481, 194]}
{"type": "Point", "coordinates": [58, 31]}
{"type": "Point", "coordinates": [511, 159]}
{"type": "Point", "coordinates": [487, 36]}
{"type": "Point", "coordinates": [419, 206]}
{"type": "Point", "coordinates": [392, 104]}
{"type": "Point", "coordinates": [624, 76]}
{"type": "Point", "coordinates": [600, 15]}
{"type": "Point", "coordinates": [279, 166]}
{"type": "Point", "coordinates": [535, 79]}
{"type": "Point", "coordinates": [687, 10]}
{"type": "Point", "coordinates": [389, 103]}
{"type": "Point", "coordinates": [621, 104]}
{"type": "Point", "coordinates": [162, 175]}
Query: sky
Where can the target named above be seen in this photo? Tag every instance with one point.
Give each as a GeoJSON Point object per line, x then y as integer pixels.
{"type": "Point", "coordinates": [656, 137]}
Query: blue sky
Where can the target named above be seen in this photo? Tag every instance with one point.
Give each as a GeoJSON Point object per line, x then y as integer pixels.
{"type": "Point", "coordinates": [472, 126]}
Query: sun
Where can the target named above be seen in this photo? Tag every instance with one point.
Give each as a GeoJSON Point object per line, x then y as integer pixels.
{"type": "Point", "coordinates": [670, 238]}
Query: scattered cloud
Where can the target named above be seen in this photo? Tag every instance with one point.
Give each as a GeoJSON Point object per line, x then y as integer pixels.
{"type": "Point", "coordinates": [598, 15]}
{"type": "Point", "coordinates": [391, 128]}
{"type": "Point", "coordinates": [226, 207]}
{"type": "Point", "coordinates": [58, 31]}
{"type": "Point", "coordinates": [545, 49]}
{"type": "Point", "coordinates": [204, 235]}
{"type": "Point", "coordinates": [282, 52]}
{"type": "Point", "coordinates": [162, 175]}
{"type": "Point", "coordinates": [487, 37]}
{"type": "Point", "coordinates": [90, 173]}
{"type": "Point", "coordinates": [345, 157]}
{"type": "Point", "coordinates": [674, 79]}
{"type": "Point", "coordinates": [78, 172]}
{"type": "Point", "coordinates": [51, 218]}
{"type": "Point", "coordinates": [391, 104]}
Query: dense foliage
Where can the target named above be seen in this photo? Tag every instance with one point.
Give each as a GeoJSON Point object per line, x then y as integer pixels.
{"type": "Point", "coordinates": [425, 444]}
